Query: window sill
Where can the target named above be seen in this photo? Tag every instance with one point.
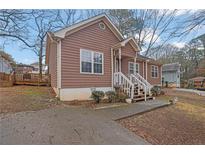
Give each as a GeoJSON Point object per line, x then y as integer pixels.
{"type": "Point", "coordinates": [86, 73]}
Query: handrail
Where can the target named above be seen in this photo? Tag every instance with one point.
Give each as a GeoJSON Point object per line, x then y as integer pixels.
{"type": "Point", "coordinates": [143, 79]}
{"type": "Point", "coordinates": [141, 85]}
{"type": "Point", "coordinates": [127, 86]}
{"type": "Point", "coordinates": [149, 86]}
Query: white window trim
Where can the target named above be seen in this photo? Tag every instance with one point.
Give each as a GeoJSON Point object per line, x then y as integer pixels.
{"type": "Point", "coordinates": [155, 66]}
{"type": "Point", "coordinates": [134, 67]}
{"type": "Point", "coordinates": [92, 55]}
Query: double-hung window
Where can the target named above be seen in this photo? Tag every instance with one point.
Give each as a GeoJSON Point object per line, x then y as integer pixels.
{"type": "Point", "coordinates": [133, 68]}
{"type": "Point", "coordinates": [154, 71]}
{"type": "Point", "coordinates": [91, 62]}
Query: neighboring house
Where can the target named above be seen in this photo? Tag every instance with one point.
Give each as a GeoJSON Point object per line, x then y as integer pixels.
{"type": "Point", "coordinates": [23, 68]}
{"type": "Point", "coordinates": [5, 66]}
{"type": "Point", "coordinates": [197, 82]}
{"type": "Point", "coordinates": [36, 68]}
{"type": "Point", "coordinates": [171, 74]}
{"type": "Point", "coordinates": [93, 55]}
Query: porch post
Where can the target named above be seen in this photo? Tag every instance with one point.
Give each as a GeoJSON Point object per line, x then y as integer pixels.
{"type": "Point", "coordinates": [120, 60]}
{"type": "Point", "coordinates": [119, 52]}
{"type": "Point", "coordinates": [115, 60]}
{"type": "Point", "coordinates": [135, 66]}
{"type": "Point", "coordinates": [111, 50]}
{"type": "Point", "coordinates": [146, 69]}
{"type": "Point", "coordinates": [143, 69]}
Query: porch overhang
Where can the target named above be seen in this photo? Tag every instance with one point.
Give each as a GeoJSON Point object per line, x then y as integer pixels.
{"type": "Point", "coordinates": [131, 41]}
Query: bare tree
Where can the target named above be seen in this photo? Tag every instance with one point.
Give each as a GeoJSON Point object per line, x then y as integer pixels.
{"type": "Point", "coordinates": [92, 12]}
{"type": "Point", "coordinates": [156, 28]}
{"type": "Point", "coordinates": [124, 21]}
{"type": "Point", "coordinates": [149, 26]}
{"type": "Point", "coordinates": [68, 17]}
{"type": "Point", "coordinates": [13, 24]}
{"type": "Point", "coordinates": [42, 22]}
{"type": "Point", "coordinates": [193, 21]}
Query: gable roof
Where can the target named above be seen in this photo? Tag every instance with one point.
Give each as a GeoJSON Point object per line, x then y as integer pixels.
{"type": "Point", "coordinates": [62, 32]}
{"type": "Point", "coordinates": [130, 40]}
{"type": "Point", "coordinates": [171, 67]}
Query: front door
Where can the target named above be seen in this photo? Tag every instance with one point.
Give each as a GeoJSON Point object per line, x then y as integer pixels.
{"type": "Point", "coordinates": [117, 65]}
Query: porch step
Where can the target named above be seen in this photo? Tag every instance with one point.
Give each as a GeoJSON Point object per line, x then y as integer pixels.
{"type": "Point", "coordinates": [141, 95]}
{"type": "Point", "coordinates": [135, 100]}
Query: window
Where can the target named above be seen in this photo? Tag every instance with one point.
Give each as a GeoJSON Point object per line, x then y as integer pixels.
{"type": "Point", "coordinates": [133, 68]}
{"type": "Point", "coordinates": [91, 62]}
{"type": "Point", "coordinates": [86, 61]}
{"type": "Point", "coordinates": [154, 71]}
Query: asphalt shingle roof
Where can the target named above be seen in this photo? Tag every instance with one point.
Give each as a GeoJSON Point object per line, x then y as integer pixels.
{"type": "Point", "coordinates": [171, 67]}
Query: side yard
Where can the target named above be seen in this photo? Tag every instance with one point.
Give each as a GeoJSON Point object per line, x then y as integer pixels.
{"type": "Point", "coordinates": [26, 98]}
{"type": "Point", "coordinates": [181, 123]}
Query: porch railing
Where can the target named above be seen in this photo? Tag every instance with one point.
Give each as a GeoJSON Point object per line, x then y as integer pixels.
{"type": "Point", "coordinates": [140, 85]}
{"type": "Point", "coordinates": [148, 85]}
{"type": "Point", "coordinates": [127, 86]}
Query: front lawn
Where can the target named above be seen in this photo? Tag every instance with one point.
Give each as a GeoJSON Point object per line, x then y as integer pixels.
{"type": "Point", "coordinates": [26, 98]}
{"type": "Point", "coordinates": [181, 123]}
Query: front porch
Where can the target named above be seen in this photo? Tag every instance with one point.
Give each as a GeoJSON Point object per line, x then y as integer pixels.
{"type": "Point", "coordinates": [126, 73]}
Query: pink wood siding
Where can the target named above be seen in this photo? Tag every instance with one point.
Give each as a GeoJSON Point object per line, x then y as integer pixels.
{"type": "Point", "coordinates": [126, 60]}
{"type": "Point", "coordinates": [153, 81]}
{"type": "Point", "coordinates": [93, 38]}
{"type": "Point", "coordinates": [127, 50]}
{"type": "Point", "coordinates": [53, 64]}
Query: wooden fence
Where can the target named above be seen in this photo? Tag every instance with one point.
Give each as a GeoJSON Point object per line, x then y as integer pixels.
{"type": "Point", "coordinates": [6, 80]}
{"type": "Point", "coordinates": [32, 79]}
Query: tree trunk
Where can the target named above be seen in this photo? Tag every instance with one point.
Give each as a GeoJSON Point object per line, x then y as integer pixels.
{"type": "Point", "coordinates": [40, 61]}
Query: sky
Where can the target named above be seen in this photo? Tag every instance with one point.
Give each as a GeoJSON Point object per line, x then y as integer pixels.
{"type": "Point", "coordinates": [27, 56]}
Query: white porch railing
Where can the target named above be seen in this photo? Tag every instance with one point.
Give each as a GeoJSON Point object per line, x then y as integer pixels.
{"type": "Point", "coordinates": [140, 84]}
{"type": "Point", "coordinates": [148, 85]}
{"type": "Point", "coordinates": [143, 80]}
{"type": "Point", "coordinates": [127, 86]}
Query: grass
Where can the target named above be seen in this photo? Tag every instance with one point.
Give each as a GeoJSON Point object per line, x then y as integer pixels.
{"type": "Point", "coordinates": [26, 98]}
{"type": "Point", "coordinates": [181, 123]}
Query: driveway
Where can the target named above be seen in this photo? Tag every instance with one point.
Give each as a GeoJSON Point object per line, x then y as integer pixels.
{"type": "Point", "coordinates": [64, 125]}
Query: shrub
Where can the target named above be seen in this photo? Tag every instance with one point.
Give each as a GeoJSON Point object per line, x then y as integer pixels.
{"type": "Point", "coordinates": [121, 97]}
{"type": "Point", "coordinates": [156, 90]}
{"type": "Point", "coordinates": [111, 95]}
{"type": "Point", "coordinates": [97, 96]}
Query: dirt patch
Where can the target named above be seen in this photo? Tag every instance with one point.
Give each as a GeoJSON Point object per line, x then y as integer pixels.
{"type": "Point", "coordinates": [182, 123]}
{"type": "Point", "coordinates": [26, 98]}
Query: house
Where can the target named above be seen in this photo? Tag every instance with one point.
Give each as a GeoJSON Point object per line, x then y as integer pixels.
{"type": "Point", "coordinates": [5, 65]}
{"type": "Point", "coordinates": [36, 68]}
{"type": "Point", "coordinates": [93, 55]}
{"type": "Point", "coordinates": [197, 82]}
{"type": "Point", "coordinates": [171, 74]}
{"type": "Point", "coordinates": [23, 68]}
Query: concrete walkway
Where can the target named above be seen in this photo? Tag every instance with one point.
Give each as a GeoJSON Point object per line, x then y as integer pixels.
{"type": "Point", "coordinates": [131, 109]}
{"type": "Point", "coordinates": [71, 125]}
{"type": "Point", "coordinates": [63, 125]}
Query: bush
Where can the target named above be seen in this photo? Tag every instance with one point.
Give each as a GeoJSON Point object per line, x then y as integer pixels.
{"type": "Point", "coordinates": [111, 95]}
{"type": "Point", "coordinates": [121, 97]}
{"type": "Point", "coordinates": [156, 90]}
{"type": "Point", "coordinates": [97, 96]}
